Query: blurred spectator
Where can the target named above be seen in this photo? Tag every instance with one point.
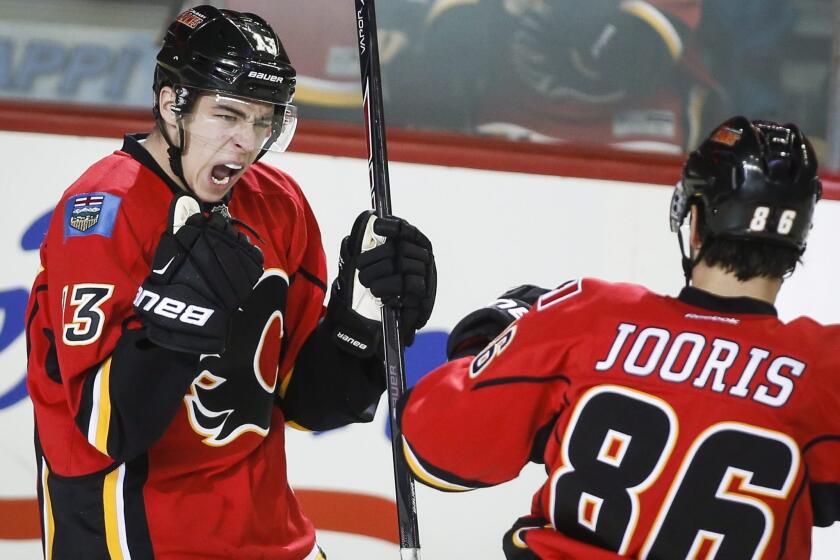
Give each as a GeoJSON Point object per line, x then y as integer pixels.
{"type": "Point", "coordinates": [625, 73]}
{"type": "Point", "coordinates": [750, 46]}
{"type": "Point", "coordinates": [743, 42]}
{"type": "Point", "coordinates": [636, 74]}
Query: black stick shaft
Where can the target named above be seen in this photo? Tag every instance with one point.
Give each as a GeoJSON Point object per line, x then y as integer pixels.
{"type": "Point", "coordinates": [381, 198]}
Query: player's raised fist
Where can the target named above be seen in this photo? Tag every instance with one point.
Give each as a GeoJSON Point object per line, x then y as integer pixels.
{"type": "Point", "coordinates": [203, 271]}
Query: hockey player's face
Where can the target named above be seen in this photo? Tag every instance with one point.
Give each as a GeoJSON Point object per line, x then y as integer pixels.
{"type": "Point", "coordinates": [224, 135]}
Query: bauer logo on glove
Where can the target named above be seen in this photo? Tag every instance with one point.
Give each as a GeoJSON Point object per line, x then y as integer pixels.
{"type": "Point", "coordinates": [384, 261]}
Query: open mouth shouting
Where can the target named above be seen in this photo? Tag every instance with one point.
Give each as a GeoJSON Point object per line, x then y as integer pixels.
{"type": "Point", "coordinates": [221, 174]}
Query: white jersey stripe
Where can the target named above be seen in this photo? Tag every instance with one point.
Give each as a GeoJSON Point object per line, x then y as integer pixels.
{"type": "Point", "coordinates": [93, 423]}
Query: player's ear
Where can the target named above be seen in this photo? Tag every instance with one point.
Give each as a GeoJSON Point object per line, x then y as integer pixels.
{"type": "Point", "coordinates": [166, 102]}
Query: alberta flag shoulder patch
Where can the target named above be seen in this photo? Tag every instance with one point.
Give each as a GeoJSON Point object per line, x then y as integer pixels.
{"type": "Point", "coordinates": [90, 214]}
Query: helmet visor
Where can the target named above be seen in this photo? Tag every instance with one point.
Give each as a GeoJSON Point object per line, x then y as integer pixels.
{"type": "Point", "coordinates": [229, 123]}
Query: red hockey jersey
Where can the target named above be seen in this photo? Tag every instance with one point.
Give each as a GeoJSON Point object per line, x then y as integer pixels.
{"type": "Point", "coordinates": [146, 452]}
{"type": "Point", "coordinates": [698, 427]}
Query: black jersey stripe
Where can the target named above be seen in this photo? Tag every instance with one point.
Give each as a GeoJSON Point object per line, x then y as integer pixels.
{"type": "Point", "coordinates": [136, 525]}
{"type": "Point", "coordinates": [519, 379]}
{"type": "Point", "coordinates": [789, 520]}
{"type": "Point", "coordinates": [75, 505]}
{"type": "Point", "coordinates": [825, 503]}
{"type": "Point", "coordinates": [35, 308]}
{"type": "Point", "coordinates": [817, 440]}
{"type": "Point", "coordinates": [76, 511]}
{"type": "Point", "coordinates": [311, 277]}
{"type": "Point", "coordinates": [801, 490]}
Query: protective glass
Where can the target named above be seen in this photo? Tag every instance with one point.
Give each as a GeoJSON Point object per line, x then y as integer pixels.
{"type": "Point", "coordinates": [228, 123]}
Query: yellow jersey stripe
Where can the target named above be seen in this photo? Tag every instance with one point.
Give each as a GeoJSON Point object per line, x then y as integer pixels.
{"type": "Point", "coordinates": [284, 386]}
{"type": "Point", "coordinates": [659, 22]}
{"type": "Point", "coordinates": [296, 426]}
{"type": "Point", "coordinates": [49, 522]}
{"type": "Point", "coordinates": [517, 538]}
{"type": "Point", "coordinates": [315, 553]}
{"type": "Point", "coordinates": [427, 477]}
{"type": "Point", "coordinates": [103, 411]}
{"type": "Point", "coordinates": [112, 507]}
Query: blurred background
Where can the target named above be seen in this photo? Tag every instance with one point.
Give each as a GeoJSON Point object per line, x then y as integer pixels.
{"type": "Point", "coordinates": [530, 139]}
{"type": "Point", "coordinates": [647, 76]}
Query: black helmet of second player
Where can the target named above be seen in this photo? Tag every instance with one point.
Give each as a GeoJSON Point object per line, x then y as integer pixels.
{"type": "Point", "coordinates": [753, 180]}
{"type": "Point", "coordinates": [226, 51]}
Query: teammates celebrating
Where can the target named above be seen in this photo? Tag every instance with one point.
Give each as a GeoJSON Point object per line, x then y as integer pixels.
{"type": "Point", "coordinates": [177, 324]}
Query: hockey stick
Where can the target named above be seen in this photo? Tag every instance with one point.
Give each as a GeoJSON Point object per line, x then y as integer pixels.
{"type": "Point", "coordinates": [380, 192]}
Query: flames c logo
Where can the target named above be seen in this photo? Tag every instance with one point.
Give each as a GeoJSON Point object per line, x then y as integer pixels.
{"type": "Point", "coordinates": [234, 393]}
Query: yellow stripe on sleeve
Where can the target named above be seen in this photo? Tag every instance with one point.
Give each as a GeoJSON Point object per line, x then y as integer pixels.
{"type": "Point", "coordinates": [658, 22]}
{"type": "Point", "coordinates": [49, 522]}
{"type": "Point", "coordinates": [425, 476]}
{"type": "Point", "coordinates": [112, 511]}
{"type": "Point", "coordinates": [284, 386]}
{"type": "Point", "coordinates": [296, 426]}
{"type": "Point", "coordinates": [104, 410]}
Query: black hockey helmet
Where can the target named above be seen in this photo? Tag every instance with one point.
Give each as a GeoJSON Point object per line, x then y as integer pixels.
{"type": "Point", "coordinates": [227, 51]}
{"type": "Point", "coordinates": [754, 180]}
{"type": "Point", "coordinates": [209, 50]}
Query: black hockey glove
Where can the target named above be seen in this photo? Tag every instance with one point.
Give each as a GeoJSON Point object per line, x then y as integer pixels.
{"type": "Point", "coordinates": [384, 261]}
{"type": "Point", "coordinates": [476, 330]}
{"type": "Point", "coordinates": [203, 271]}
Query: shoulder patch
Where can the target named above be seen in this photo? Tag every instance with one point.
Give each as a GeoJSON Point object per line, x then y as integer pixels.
{"type": "Point", "coordinates": [90, 214]}
{"type": "Point", "coordinates": [561, 293]}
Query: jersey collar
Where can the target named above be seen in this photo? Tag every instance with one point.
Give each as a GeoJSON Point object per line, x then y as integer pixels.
{"type": "Point", "coordinates": [707, 300]}
{"type": "Point", "coordinates": [133, 147]}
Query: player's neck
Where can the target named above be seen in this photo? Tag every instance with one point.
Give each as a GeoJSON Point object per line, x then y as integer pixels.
{"type": "Point", "coordinates": [717, 281]}
{"type": "Point", "coordinates": [157, 148]}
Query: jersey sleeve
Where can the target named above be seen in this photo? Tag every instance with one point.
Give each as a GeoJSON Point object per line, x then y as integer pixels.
{"type": "Point", "coordinates": [824, 474]}
{"type": "Point", "coordinates": [93, 375]}
{"type": "Point", "coordinates": [323, 386]}
{"type": "Point", "coordinates": [474, 421]}
{"type": "Point", "coordinates": [307, 287]}
{"type": "Point", "coordinates": [822, 452]}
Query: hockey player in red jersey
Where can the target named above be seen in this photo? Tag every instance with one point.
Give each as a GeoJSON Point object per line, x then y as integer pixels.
{"type": "Point", "coordinates": [177, 322]}
{"type": "Point", "coordinates": [699, 426]}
